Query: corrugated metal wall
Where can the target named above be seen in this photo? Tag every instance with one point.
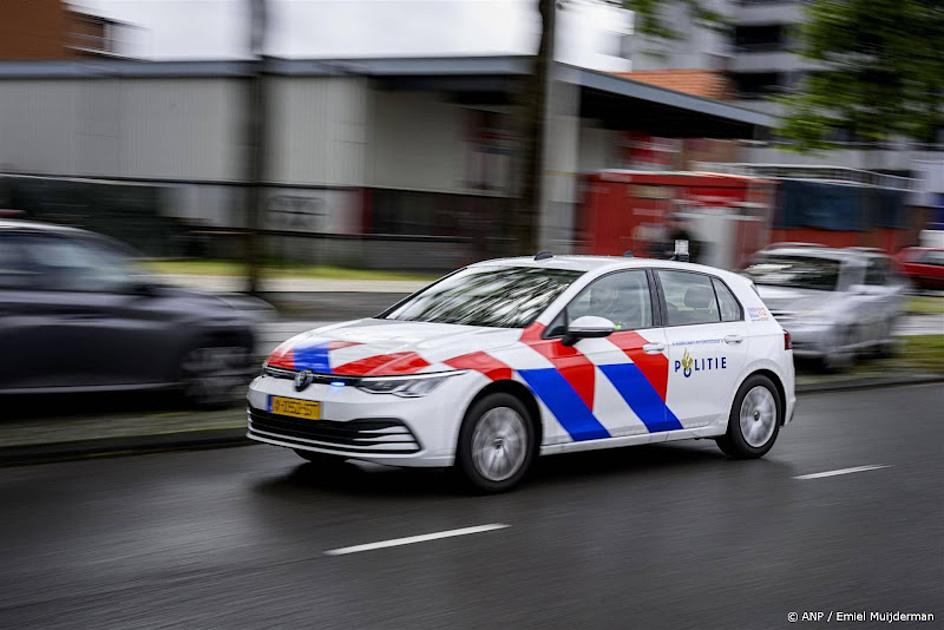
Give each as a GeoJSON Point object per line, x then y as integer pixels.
{"type": "Point", "coordinates": [319, 131]}
{"type": "Point", "coordinates": [130, 128]}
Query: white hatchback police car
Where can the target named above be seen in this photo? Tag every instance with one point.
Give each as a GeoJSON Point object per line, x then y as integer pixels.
{"type": "Point", "coordinates": [507, 359]}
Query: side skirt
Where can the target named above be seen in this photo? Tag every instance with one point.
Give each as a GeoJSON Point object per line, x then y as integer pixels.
{"type": "Point", "coordinates": [631, 440]}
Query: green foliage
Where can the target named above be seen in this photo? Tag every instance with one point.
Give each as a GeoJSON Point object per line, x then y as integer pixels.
{"type": "Point", "coordinates": [881, 72]}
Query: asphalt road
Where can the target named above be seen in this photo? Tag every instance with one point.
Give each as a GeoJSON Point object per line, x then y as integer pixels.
{"type": "Point", "coordinates": [670, 536]}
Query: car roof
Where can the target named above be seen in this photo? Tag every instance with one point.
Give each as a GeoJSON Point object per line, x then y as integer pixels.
{"type": "Point", "coordinates": [596, 263]}
{"type": "Point", "coordinates": [829, 253]}
{"type": "Point", "coordinates": [35, 226]}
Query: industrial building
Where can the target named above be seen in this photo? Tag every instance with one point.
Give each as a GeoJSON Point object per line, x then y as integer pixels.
{"type": "Point", "coordinates": [369, 157]}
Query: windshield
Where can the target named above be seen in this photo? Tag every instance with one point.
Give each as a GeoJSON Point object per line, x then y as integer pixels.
{"type": "Point", "coordinates": [79, 263]}
{"type": "Point", "coordinates": [501, 297]}
{"type": "Point", "coordinates": [802, 272]}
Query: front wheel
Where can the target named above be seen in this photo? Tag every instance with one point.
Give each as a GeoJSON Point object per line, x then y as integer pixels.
{"type": "Point", "coordinates": [754, 421]}
{"type": "Point", "coordinates": [496, 443]}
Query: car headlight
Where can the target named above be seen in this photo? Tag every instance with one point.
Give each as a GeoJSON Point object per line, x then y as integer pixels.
{"type": "Point", "coordinates": [415, 387]}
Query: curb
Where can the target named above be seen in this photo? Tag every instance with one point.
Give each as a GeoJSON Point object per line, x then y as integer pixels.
{"type": "Point", "coordinates": [225, 438]}
{"type": "Point", "coordinates": [114, 447]}
{"type": "Point", "coordinates": [869, 383]}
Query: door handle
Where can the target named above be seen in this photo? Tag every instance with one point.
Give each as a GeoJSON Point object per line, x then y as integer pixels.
{"type": "Point", "coordinates": [653, 348]}
{"type": "Point", "coordinates": [733, 338]}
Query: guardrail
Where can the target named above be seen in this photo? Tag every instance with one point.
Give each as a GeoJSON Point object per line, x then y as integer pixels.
{"type": "Point", "coordinates": [826, 173]}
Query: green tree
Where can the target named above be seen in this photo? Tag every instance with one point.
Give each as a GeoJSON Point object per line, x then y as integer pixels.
{"type": "Point", "coordinates": [881, 72]}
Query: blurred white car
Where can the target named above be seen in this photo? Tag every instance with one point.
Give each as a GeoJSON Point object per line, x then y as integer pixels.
{"type": "Point", "coordinates": [507, 359]}
{"type": "Point", "coordinates": [836, 303]}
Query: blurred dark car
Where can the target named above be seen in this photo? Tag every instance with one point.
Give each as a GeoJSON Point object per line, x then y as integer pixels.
{"type": "Point", "coordinates": [78, 314]}
{"type": "Point", "coordinates": [924, 266]}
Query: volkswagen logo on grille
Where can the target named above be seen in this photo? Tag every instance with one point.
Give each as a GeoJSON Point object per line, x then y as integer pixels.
{"type": "Point", "coordinates": [303, 380]}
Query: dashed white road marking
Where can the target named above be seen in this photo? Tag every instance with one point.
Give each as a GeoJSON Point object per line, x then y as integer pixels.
{"type": "Point", "coordinates": [842, 471]}
{"type": "Point", "coordinates": [409, 540]}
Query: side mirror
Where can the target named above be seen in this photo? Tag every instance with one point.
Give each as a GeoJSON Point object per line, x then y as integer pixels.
{"type": "Point", "coordinates": [588, 326]}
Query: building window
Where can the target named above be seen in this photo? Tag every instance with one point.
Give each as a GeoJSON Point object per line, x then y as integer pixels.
{"type": "Point", "coordinates": [755, 85]}
{"type": "Point", "coordinates": [763, 38]}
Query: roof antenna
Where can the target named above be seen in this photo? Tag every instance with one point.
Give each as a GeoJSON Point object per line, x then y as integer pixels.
{"type": "Point", "coordinates": [628, 253]}
{"type": "Point", "coordinates": [681, 250]}
{"type": "Point", "coordinates": [543, 255]}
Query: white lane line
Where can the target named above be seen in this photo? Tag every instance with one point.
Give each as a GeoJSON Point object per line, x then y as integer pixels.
{"type": "Point", "coordinates": [842, 471]}
{"type": "Point", "coordinates": [409, 540]}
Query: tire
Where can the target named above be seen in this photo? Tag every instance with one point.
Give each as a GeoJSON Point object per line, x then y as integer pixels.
{"type": "Point", "coordinates": [754, 420]}
{"type": "Point", "coordinates": [842, 358]}
{"type": "Point", "coordinates": [496, 443]}
{"type": "Point", "coordinates": [889, 346]}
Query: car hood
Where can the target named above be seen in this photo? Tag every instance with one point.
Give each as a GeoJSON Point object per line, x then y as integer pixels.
{"type": "Point", "coordinates": [795, 301]}
{"type": "Point", "coordinates": [378, 347]}
{"type": "Point", "coordinates": [198, 303]}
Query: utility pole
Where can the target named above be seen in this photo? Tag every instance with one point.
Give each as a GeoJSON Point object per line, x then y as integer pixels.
{"type": "Point", "coordinates": [533, 131]}
{"type": "Point", "coordinates": [255, 139]}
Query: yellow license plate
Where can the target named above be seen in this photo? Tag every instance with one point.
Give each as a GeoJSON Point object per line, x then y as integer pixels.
{"type": "Point", "coordinates": [304, 409]}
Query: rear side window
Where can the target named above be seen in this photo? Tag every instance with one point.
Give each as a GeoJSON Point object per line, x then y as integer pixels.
{"type": "Point", "coordinates": [730, 307]}
{"type": "Point", "coordinates": [933, 258]}
{"type": "Point", "coordinates": [877, 271]}
{"type": "Point", "coordinates": [689, 298]}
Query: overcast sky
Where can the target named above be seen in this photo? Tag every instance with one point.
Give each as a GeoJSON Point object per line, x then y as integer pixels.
{"type": "Point", "coordinates": [214, 29]}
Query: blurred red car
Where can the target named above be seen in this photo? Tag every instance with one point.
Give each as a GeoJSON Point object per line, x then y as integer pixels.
{"type": "Point", "coordinates": [924, 266]}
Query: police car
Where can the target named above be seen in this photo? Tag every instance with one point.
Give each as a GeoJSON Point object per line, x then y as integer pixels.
{"type": "Point", "coordinates": [508, 359]}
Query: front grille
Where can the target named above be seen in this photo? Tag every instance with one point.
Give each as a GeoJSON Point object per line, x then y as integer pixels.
{"type": "Point", "coordinates": [363, 435]}
{"type": "Point", "coordinates": [324, 379]}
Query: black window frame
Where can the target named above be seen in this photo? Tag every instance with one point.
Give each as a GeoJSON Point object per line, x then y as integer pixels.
{"type": "Point", "coordinates": [715, 281]}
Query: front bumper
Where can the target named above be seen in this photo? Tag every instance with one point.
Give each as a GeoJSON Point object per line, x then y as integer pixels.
{"type": "Point", "coordinates": [380, 428]}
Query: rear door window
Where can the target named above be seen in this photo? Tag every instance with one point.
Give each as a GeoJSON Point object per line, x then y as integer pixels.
{"type": "Point", "coordinates": [689, 298]}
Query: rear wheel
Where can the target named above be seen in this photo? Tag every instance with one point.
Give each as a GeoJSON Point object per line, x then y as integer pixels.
{"type": "Point", "coordinates": [754, 421]}
{"type": "Point", "coordinates": [496, 443]}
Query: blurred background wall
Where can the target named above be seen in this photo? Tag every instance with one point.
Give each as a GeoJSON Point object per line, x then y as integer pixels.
{"type": "Point", "coordinates": [373, 159]}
